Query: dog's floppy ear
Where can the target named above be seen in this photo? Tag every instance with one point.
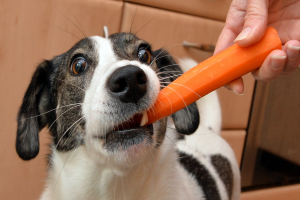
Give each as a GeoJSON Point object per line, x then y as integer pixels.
{"type": "Point", "coordinates": [29, 121]}
{"type": "Point", "coordinates": [186, 120]}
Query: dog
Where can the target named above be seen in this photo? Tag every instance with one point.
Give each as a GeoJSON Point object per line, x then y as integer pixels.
{"type": "Point", "coordinates": [88, 95]}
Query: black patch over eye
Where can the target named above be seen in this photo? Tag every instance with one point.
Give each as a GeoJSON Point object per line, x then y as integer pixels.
{"type": "Point", "coordinates": [78, 66]}
{"type": "Point", "coordinates": [144, 55]}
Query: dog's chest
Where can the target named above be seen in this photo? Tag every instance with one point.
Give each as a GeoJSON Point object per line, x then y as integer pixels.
{"type": "Point", "coordinates": [83, 178]}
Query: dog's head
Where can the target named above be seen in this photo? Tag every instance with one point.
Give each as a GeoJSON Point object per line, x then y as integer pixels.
{"type": "Point", "coordinates": [88, 95]}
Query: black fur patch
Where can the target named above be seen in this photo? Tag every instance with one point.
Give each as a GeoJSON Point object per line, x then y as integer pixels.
{"type": "Point", "coordinates": [224, 170]}
{"type": "Point", "coordinates": [29, 124]}
{"type": "Point", "coordinates": [52, 84]}
{"type": "Point", "coordinates": [126, 45]}
{"type": "Point", "coordinates": [186, 120]}
{"type": "Point", "coordinates": [201, 174]}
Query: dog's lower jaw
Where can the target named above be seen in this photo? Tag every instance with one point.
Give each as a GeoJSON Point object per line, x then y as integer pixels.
{"type": "Point", "coordinates": [76, 175]}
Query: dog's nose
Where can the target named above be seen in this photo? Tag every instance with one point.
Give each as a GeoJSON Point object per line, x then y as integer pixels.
{"type": "Point", "coordinates": [128, 84]}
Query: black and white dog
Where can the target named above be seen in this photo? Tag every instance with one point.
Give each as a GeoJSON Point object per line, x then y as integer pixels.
{"type": "Point", "coordinates": [87, 95]}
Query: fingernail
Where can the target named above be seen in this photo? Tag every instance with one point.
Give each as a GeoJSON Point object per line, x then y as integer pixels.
{"type": "Point", "coordinates": [274, 64]}
{"type": "Point", "coordinates": [235, 92]}
{"type": "Point", "coordinates": [243, 35]}
{"type": "Point", "coordinates": [293, 47]}
{"type": "Point", "coordinates": [236, 89]}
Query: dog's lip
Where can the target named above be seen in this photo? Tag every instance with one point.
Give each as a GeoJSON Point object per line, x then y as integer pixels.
{"type": "Point", "coordinates": [124, 140]}
{"type": "Point", "coordinates": [126, 131]}
{"type": "Point", "coordinates": [136, 122]}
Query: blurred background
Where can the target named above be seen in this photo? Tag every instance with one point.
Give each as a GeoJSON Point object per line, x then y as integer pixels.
{"type": "Point", "coordinates": [262, 126]}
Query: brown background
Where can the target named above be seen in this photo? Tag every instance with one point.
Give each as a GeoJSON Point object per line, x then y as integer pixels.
{"type": "Point", "coordinates": [33, 30]}
{"type": "Point", "coordinates": [26, 38]}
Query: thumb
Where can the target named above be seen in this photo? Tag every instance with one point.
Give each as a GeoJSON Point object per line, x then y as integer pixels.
{"type": "Point", "coordinates": [255, 24]}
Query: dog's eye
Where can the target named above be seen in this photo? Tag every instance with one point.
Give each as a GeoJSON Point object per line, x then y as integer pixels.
{"type": "Point", "coordinates": [78, 66]}
{"type": "Point", "coordinates": [144, 55]}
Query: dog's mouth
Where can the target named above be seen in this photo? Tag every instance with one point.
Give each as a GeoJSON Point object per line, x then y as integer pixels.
{"type": "Point", "coordinates": [128, 133]}
{"type": "Point", "coordinates": [138, 120]}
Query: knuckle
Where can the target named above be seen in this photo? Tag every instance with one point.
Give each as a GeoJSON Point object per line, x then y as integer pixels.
{"type": "Point", "coordinates": [255, 13]}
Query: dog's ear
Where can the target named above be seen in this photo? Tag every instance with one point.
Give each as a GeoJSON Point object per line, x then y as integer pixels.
{"type": "Point", "coordinates": [29, 121]}
{"type": "Point", "coordinates": [186, 120]}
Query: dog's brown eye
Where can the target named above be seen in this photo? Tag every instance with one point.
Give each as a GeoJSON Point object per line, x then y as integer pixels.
{"type": "Point", "coordinates": [144, 55]}
{"type": "Point", "coordinates": [78, 66]}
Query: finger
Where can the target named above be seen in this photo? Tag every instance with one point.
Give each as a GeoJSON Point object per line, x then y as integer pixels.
{"type": "Point", "coordinates": [272, 66]}
{"type": "Point", "coordinates": [236, 86]}
{"type": "Point", "coordinates": [233, 25]}
{"type": "Point", "coordinates": [292, 49]}
{"type": "Point", "coordinates": [255, 23]}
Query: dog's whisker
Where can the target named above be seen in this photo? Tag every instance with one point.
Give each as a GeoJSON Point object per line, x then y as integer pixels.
{"type": "Point", "coordinates": [180, 95]}
{"type": "Point", "coordinates": [169, 55]}
{"type": "Point", "coordinates": [172, 141]}
{"type": "Point", "coordinates": [63, 168]}
{"type": "Point", "coordinates": [170, 72]}
{"type": "Point", "coordinates": [84, 33]}
{"type": "Point", "coordinates": [73, 131]}
{"type": "Point", "coordinates": [167, 82]}
{"type": "Point", "coordinates": [65, 31]}
{"type": "Point", "coordinates": [186, 133]}
{"type": "Point", "coordinates": [70, 21]}
{"type": "Point", "coordinates": [164, 51]}
{"type": "Point", "coordinates": [123, 188]}
{"type": "Point", "coordinates": [152, 109]}
{"type": "Point", "coordinates": [168, 100]}
{"type": "Point", "coordinates": [146, 23]}
{"type": "Point", "coordinates": [128, 164]}
{"type": "Point", "coordinates": [160, 102]}
{"type": "Point", "coordinates": [158, 70]}
{"type": "Point", "coordinates": [175, 76]}
{"type": "Point", "coordinates": [115, 187]}
{"type": "Point", "coordinates": [164, 84]}
{"type": "Point", "coordinates": [136, 9]}
{"type": "Point", "coordinates": [142, 180]}
{"type": "Point", "coordinates": [60, 116]}
{"type": "Point", "coordinates": [137, 171]}
{"type": "Point", "coordinates": [50, 161]}
{"type": "Point", "coordinates": [187, 88]}
{"type": "Point", "coordinates": [54, 110]}
{"type": "Point", "coordinates": [67, 131]}
{"type": "Point", "coordinates": [190, 116]}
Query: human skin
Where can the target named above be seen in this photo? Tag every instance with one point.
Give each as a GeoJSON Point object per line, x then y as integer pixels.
{"type": "Point", "coordinates": [246, 24]}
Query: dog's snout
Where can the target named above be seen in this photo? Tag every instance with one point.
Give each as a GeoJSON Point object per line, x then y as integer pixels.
{"type": "Point", "coordinates": [128, 83]}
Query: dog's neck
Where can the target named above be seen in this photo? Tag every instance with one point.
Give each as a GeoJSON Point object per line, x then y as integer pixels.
{"type": "Point", "coordinates": [76, 173]}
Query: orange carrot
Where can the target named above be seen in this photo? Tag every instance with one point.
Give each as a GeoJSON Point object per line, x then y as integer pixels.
{"type": "Point", "coordinates": [212, 74]}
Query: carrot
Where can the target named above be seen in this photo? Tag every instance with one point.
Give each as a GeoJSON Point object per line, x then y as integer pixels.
{"type": "Point", "coordinates": [212, 74]}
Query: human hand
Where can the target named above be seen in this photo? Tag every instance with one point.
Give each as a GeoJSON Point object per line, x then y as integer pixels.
{"type": "Point", "coordinates": [246, 24]}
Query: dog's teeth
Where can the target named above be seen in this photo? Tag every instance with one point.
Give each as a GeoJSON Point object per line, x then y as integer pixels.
{"type": "Point", "coordinates": [144, 119]}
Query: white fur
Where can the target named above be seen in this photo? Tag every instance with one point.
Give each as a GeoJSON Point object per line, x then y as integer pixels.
{"type": "Point", "coordinates": [93, 106]}
{"type": "Point", "coordinates": [78, 176]}
{"type": "Point", "coordinates": [89, 172]}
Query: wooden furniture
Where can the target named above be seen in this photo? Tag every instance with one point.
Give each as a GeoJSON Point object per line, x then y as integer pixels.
{"type": "Point", "coordinates": [274, 123]}
{"type": "Point", "coordinates": [31, 31]}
